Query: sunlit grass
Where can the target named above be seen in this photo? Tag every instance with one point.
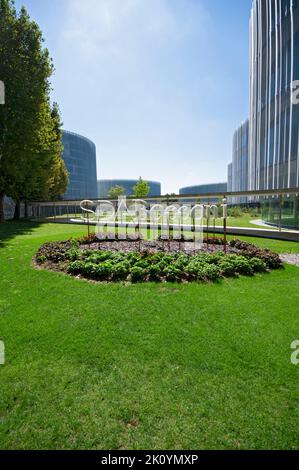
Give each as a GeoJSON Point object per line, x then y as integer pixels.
{"type": "Point", "coordinates": [95, 366]}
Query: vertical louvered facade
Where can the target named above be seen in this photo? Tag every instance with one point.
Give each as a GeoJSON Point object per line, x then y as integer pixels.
{"type": "Point", "coordinates": [274, 120]}
{"type": "Point", "coordinates": [240, 159]}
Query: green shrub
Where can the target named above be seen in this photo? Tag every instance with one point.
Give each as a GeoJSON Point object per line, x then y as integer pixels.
{"type": "Point", "coordinates": [162, 266]}
{"type": "Point", "coordinates": [133, 258]}
{"type": "Point", "coordinates": [243, 266]}
{"type": "Point", "coordinates": [76, 267]}
{"type": "Point", "coordinates": [173, 274]}
{"type": "Point", "coordinates": [209, 272]}
{"type": "Point", "coordinates": [154, 272]}
{"type": "Point", "coordinates": [41, 259]}
{"type": "Point", "coordinates": [258, 265]}
{"type": "Point", "coordinates": [114, 265]}
{"type": "Point", "coordinates": [216, 258]}
{"type": "Point", "coordinates": [227, 268]}
{"type": "Point", "coordinates": [97, 256]}
{"type": "Point", "coordinates": [271, 259]}
{"type": "Point", "coordinates": [104, 270]}
{"type": "Point", "coordinates": [143, 263]}
{"type": "Point", "coordinates": [192, 269]}
{"type": "Point", "coordinates": [89, 269]}
{"type": "Point", "coordinates": [120, 271]}
{"type": "Point", "coordinates": [138, 274]}
{"type": "Point", "coordinates": [156, 257]}
{"type": "Point", "coordinates": [181, 262]}
{"type": "Point", "coordinates": [73, 254]}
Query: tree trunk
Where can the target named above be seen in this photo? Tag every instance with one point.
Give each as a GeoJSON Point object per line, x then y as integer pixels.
{"type": "Point", "coordinates": [2, 208]}
{"type": "Point", "coordinates": [17, 211]}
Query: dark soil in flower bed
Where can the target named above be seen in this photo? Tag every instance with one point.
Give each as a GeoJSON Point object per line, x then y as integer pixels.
{"type": "Point", "coordinates": [142, 261]}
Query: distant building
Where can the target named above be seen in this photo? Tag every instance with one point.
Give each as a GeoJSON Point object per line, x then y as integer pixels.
{"type": "Point", "coordinates": [104, 187]}
{"type": "Point", "coordinates": [80, 159]}
{"type": "Point", "coordinates": [230, 178]}
{"type": "Point", "coordinates": [205, 189]}
{"type": "Point", "coordinates": [238, 169]}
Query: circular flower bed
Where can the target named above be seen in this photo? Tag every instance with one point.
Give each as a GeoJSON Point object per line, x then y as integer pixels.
{"type": "Point", "coordinates": [155, 261]}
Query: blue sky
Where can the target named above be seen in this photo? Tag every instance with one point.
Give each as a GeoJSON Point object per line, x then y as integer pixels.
{"type": "Point", "coordinates": [158, 85]}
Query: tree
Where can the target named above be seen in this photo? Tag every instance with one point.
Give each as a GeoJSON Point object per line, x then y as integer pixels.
{"type": "Point", "coordinates": [141, 189]}
{"type": "Point", "coordinates": [31, 163]}
{"type": "Point", "coordinates": [116, 191]}
{"type": "Point", "coordinates": [172, 198]}
{"type": "Point", "coordinates": [57, 184]}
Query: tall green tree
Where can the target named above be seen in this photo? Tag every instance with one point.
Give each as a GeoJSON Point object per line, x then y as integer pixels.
{"type": "Point", "coordinates": [31, 163]}
{"type": "Point", "coordinates": [141, 188]}
{"type": "Point", "coordinates": [116, 191]}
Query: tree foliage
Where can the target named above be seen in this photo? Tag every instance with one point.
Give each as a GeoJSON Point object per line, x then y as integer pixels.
{"type": "Point", "coordinates": [141, 188]}
{"type": "Point", "coordinates": [31, 165]}
{"type": "Point", "coordinates": [116, 191]}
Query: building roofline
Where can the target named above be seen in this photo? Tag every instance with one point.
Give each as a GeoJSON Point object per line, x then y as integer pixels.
{"type": "Point", "coordinates": [64, 131]}
{"type": "Point", "coordinates": [204, 184]}
{"type": "Point", "coordinates": [127, 180]}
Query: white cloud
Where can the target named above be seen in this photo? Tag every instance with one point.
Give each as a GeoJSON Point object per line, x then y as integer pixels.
{"type": "Point", "coordinates": [105, 27]}
{"type": "Point", "coordinates": [141, 67]}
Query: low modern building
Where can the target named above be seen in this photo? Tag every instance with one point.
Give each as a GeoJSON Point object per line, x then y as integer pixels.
{"type": "Point", "coordinates": [104, 187]}
{"type": "Point", "coordinates": [80, 159]}
{"type": "Point", "coordinates": [205, 189]}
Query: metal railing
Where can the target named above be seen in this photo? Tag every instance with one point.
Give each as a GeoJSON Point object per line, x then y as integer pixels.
{"type": "Point", "coordinates": [279, 209]}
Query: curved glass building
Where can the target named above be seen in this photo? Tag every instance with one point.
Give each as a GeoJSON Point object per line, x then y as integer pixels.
{"type": "Point", "coordinates": [80, 159]}
{"type": "Point", "coordinates": [104, 187]}
{"type": "Point", "coordinates": [205, 189]}
{"type": "Point", "coordinates": [274, 118]}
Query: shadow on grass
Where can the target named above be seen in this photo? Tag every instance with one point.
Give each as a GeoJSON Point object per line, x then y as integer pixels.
{"type": "Point", "coordinates": [11, 229]}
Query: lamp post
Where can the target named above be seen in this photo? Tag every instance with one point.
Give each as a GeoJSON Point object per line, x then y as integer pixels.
{"type": "Point", "coordinates": [225, 223]}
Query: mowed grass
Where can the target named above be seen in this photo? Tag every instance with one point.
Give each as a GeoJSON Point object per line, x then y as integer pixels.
{"type": "Point", "coordinates": [112, 366]}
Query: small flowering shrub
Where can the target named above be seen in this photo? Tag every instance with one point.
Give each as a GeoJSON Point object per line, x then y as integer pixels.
{"type": "Point", "coordinates": [271, 259]}
{"type": "Point", "coordinates": [112, 266]}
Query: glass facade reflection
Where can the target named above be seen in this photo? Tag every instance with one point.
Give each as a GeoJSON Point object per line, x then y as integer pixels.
{"type": "Point", "coordinates": [205, 189]}
{"type": "Point", "coordinates": [287, 207]}
{"type": "Point", "coordinates": [274, 120]}
{"type": "Point", "coordinates": [238, 169]}
{"type": "Point", "coordinates": [80, 159]}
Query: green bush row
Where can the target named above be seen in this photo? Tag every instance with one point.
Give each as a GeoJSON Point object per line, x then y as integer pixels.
{"type": "Point", "coordinates": [161, 266]}
{"type": "Point", "coordinates": [174, 268]}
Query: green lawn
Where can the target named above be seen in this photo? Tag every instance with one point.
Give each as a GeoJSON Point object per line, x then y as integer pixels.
{"type": "Point", "coordinates": [243, 221]}
{"type": "Point", "coordinates": [144, 366]}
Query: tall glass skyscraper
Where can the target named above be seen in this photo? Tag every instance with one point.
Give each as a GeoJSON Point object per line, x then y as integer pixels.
{"type": "Point", "coordinates": [238, 169]}
{"type": "Point", "coordinates": [240, 158]}
{"type": "Point", "coordinates": [80, 159]}
{"type": "Point", "coordinates": [274, 120]}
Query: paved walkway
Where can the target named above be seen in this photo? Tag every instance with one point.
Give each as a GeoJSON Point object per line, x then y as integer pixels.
{"type": "Point", "coordinates": [292, 258]}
